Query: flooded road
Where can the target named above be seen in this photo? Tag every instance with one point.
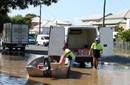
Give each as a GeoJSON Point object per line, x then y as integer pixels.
{"type": "Point", "coordinates": [13, 72]}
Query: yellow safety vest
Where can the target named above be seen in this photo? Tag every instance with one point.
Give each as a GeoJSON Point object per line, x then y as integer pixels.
{"type": "Point", "coordinates": [96, 46]}
{"type": "Point", "coordinates": [69, 53]}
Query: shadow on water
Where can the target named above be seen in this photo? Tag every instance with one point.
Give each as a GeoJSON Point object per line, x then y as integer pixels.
{"type": "Point", "coordinates": [77, 75]}
{"type": "Point", "coordinates": [32, 82]}
{"type": "Point", "coordinates": [72, 75]}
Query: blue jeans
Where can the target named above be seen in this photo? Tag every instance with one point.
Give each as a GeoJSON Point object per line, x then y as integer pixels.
{"type": "Point", "coordinates": [72, 62]}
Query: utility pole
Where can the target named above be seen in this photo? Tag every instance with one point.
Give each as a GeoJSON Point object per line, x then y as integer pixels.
{"type": "Point", "coordinates": [104, 10]}
{"type": "Point", "coordinates": [40, 18]}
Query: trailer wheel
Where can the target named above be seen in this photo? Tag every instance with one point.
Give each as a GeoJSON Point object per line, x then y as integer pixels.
{"type": "Point", "coordinates": [43, 44]}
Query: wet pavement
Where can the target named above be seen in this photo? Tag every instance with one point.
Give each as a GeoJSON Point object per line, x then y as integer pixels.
{"type": "Point", "coordinates": [13, 72]}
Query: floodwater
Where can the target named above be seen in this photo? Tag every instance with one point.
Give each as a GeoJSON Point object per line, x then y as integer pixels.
{"type": "Point", "coordinates": [13, 72]}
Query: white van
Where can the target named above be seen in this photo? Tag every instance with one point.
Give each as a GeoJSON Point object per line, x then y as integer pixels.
{"type": "Point", "coordinates": [42, 39]}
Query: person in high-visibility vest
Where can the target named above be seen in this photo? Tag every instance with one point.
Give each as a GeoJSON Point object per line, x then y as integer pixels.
{"type": "Point", "coordinates": [70, 55]}
{"type": "Point", "coordinates": [96, 50]}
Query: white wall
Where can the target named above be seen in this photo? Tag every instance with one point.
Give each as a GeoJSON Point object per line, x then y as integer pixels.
{"type": "Point", "coordinates": [128, 24]}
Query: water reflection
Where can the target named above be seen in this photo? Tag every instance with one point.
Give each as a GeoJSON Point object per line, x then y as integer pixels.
{"type": "Point", "coordinates": [6, 79]}
{"type": "Point", "coordinates": [114, 74]}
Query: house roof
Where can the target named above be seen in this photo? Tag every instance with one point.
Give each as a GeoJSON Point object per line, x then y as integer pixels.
{"type": "Point", "coordinates": [35, 19]}
{"type": "Point", "coordinates": [111, 22]}
{"type": "Point", "coordinates": [92, 18]}
{"type": "Point", "coordinates": [48, 23]}
{"type": "Point", "coordinates": [121, 15]}
{"type": "Point", "coordinates": [54, 22]}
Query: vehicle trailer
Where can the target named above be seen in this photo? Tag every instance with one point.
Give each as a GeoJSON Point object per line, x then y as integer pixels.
{"type": "Point", "coordinates": [15, 36]}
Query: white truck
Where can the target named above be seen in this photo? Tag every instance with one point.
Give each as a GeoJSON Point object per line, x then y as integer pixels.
{"type": "Point", "coordinates": [79, 40]}
{"type": "Point", "coordinates": [15, 36]}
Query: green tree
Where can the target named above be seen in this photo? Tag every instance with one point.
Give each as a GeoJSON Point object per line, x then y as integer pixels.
{"type": "Point", "coordinates": [28, 19]}
{"type": "Point", "coordinates": [125, 35]}
{"type": "Point", "coordinates": [6, 5]}
{"type": "Point", "coordinates": [119, 29]}
{"type": "Point", "coordinates": [19, 19]}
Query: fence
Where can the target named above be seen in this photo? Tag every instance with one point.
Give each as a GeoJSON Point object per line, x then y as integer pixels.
{"type": "Point", "coordinates": [122, 48]}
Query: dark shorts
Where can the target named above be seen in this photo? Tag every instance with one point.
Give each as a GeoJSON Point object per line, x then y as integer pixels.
{"type": "Point", "coordinates": [96, 53]}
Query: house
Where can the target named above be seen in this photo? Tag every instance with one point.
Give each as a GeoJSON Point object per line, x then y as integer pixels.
{"type": "Point", "coordinates": [45, 25]}
{"type": "Point", "coordinates": [121, 19]}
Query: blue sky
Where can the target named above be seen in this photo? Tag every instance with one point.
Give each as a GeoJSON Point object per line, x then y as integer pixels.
{"type": "Point", "coordinates": [75, 9]}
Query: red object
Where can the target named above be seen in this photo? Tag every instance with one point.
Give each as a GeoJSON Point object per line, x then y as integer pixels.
{"type": "Point", "coordinates": [40, 66]}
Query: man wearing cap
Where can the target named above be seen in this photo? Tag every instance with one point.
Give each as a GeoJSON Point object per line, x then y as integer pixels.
{"type": "Point", "coordinates": [96, 50]}
{"type": "Point", "coordinates": [70, 55]}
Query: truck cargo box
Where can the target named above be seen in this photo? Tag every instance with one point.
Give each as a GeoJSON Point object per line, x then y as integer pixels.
{"type": "Point", "coordinates": [15, 35]}
{"type": "Point", "coordinates": [80, 39]}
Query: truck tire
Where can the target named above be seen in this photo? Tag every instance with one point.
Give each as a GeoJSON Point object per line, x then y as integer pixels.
{"type": "Point", "coordinates": [3, 47]}
{"type": "Point", "coordinates": [10, 48]}
{"type": "Point", "coordinates": [22, 48]}
{"type": "Point", "coordinates": [43, 44]}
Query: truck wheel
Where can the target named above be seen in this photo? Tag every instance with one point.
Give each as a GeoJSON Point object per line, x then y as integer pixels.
{"type": "Point", "coordinates": [22, 48]}
{"type": "Point", "coordinates": [10, 48]}
{"type": "Point", "coordinates": [3, 47]}
{"type": "Point", "coordinates": [44, 44]}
